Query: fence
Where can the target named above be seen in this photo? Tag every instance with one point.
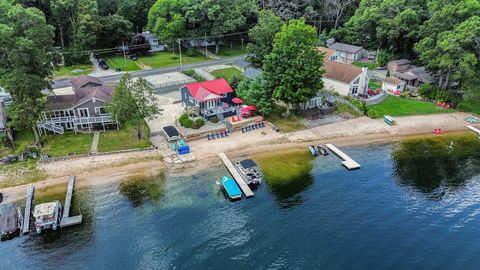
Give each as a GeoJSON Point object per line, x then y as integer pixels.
{"type": "Point", "coordinates": [166, 87]}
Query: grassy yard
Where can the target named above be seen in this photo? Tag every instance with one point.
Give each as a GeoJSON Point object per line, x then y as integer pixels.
{"type": "Point", "coordinates": [66, 71]}
{"type": "Point", "coordinates": [21, 173]}
{"type": "Point", "coordinates": [165, 59]}
{"type": "Point", "coordinates": [285, 124]}
{"type": "Point", "coordinates": [370, 65]}
{"type": "Point", "coordinates": [397, 106]}
{"type": "Point", "coordinates": [470, 106]}
{"type": "Point", "coordinates": [375, 85]}
{"type": "Point", "coordinates": [227, 51]}
{"type": "Point", "coordinates": [60, 145]}
{"type": "Point", "coordinates": [284, 167]}
{"type": "Point", "coordinates": [226, 73]}
{"type": "Point", "coordinates": [118, 61]}
{"type": "Point", "coordinates": [125, 138]}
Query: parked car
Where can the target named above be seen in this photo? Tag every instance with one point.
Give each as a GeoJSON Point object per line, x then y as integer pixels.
{"type": "Point", "coordinates": [103, 66]}
{"type": "Point", "coordinates": [96, 55]}
{"type": "Point", "coordinates": [134, 57]}
{"type": "Point", "coordinates": [101, 61]}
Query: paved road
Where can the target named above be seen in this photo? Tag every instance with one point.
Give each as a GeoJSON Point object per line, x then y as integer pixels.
{"type": "Point", "coordinates": [141, 73]}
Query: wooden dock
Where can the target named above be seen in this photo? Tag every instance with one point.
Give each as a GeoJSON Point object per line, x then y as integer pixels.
{"type": "Point", "coordinates": [66, 219]}
{"type": "Point", "coordinates": [474, 129]}
{"type": "Point", "coordinates": [348, 162]}
{"type": "Point", "coordinates": [236, 175]}
{"type": "Point", "coordinates": [28, 209]}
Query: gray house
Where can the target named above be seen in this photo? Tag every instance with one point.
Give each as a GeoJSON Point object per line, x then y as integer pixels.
{"type": "Point", "coordinates": [155, 45]}
{"type": "Point", "coordinates": [83, 108]}
{"type": "Point", "coordinates": [209, 98]}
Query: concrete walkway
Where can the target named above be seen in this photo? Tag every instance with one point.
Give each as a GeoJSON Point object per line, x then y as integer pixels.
{"type": "Point", "coordinates": [204, 74]}
{"type": "Point", "coordinates": [96, 138]}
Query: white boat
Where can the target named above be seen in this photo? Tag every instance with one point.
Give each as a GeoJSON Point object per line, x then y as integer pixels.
{"type": "Point", "coordinates": [250, 172]}
{"type": "Point", "coordinates": [47, 216]}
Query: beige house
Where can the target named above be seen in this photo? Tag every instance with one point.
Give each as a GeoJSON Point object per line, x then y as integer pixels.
{"type": "Point", "coordinates": [391, 85]}
{"type": "Point", "coordinates": [345, 79]}
{"type": "Point", "coordinates": [398, 65]}
{"type": "Point", "coordinates": [346, 53]}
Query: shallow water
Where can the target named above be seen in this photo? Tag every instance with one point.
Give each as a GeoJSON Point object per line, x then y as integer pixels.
{"type": "Point", "coordinates": [390, 214]}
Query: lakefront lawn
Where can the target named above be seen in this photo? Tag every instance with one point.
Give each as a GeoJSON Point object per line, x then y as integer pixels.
{"type": "Point", "coordinates": [125, 138]}
{"type": "Point", "coordinates": [397, 106]}
{"type": "Point", "coordinates": [118, 61]}
{"type": "Point", "coordinates": [59, 145]}
{"type": "Point", "coordinates": [285, 124]}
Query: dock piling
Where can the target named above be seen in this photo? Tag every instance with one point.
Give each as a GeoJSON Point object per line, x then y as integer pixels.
{"type": "Point", "coordinates": [28, 209]}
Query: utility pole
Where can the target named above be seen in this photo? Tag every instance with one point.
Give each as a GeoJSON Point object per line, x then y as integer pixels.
{"type": "Point", "coordinates": [180, 49]}
{"type": "Point", "coordinates": [242, 47]}
{"type": "Point", "coordinates": [206, 45]}
{"type": "Point", "coordinates": [124, 53]}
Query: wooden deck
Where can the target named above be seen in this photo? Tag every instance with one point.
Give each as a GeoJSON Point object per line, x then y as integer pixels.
{"type": "Point", "coordinates": [66, 219]}
{"type": "Point", "coordinates": [28, 209]}
{"type": "Point", "coordinates": [348, 162]}
{"type": "Point", "coordinates": [236, 175]}
{"type": "Point", "coordinates": [474, 129]}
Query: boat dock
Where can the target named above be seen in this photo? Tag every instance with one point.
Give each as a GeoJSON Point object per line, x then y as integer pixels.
{"type": "Point", "coordinates": [348, 162]}
{"type": "Point", "coordinates": [28, 209]}
{"type": "Point", "coordinates": [236, 175]}
{"type": "Point", "coordinates": [474, 129]}
{"type": "Point", "coordinates": [66, 219]}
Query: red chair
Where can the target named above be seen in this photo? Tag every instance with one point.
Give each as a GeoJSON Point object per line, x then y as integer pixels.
{"type": "Point", "coordinates": [378, 91]}
{"type": "Point", "coordinates": [233, 119]}
{"type": "Point", "coordinates": [239, 118]}
{"type": "Point", "coordinates": [438, 103]}
{"type": "Point", "coordinates": [447, 106]}
{"type": "Point", "coordinates": [443, 104]}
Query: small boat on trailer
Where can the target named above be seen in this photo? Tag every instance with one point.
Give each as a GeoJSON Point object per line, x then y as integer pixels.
{"type": "Point", "coordinates": [313, 151]}
{"type": "Point", "coordinates": [230, 188]}
{"type": "Point", "coordinates": [10, 223]}
{"type": "Point", "coordinates": [389, 120]}
{"type": "Point", "coordinates": [250, 172]}
{"type": "Point", "coordinates": [322, 150]}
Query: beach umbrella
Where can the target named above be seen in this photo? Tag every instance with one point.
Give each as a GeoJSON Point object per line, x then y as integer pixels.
{"type": "Point", "coordinates": [237, 100]}
{"type": "Point", "coordinates": [251, 108]}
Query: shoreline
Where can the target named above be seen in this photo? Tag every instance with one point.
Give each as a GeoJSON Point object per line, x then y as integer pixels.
{"type": "Point", "coordinates": [97, 171]}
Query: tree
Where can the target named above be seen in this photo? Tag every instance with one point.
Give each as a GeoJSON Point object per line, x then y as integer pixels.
{"type": "Point", "coordinates": [166, 18]}
{"type": "Point", "coordinates": [134, 11]}
{"type": "Point", "coordinates": [261, 36]}
{"type": "Point", "coordinates": [256, 92]}
{"type": "Point", "coordinates": [139, 44]}
{"type": "Point", "coordinates": [25, 43]}
{"type": "Point", "coordinates": [133, 102]}
{"type": "Point", "coordinates": [294, 67]}
{"type": "Point", "coordinates": [113, 29]}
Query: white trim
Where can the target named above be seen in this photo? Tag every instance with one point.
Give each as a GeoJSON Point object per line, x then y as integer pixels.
{"type": "Point", "coordinates": [80, 115]}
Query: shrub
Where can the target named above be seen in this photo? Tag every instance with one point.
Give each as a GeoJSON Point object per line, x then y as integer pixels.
{"type": "Point", "coordinates": [188, 123]}
{"type": "Point", "coordinates": [173, 57]}
{"type": "Point", "coordinates": [189, 72]}
{"type": "Point", "coordinates": [198, 123]}
{"type": "Point", "coordinates": [372, 113]}
{"type": "Point", "coordinates": [214, 119]}
{"type": "Point", "coordinates": [190, 52]}
{"type": "Point", "coordinates": [183, 117]}
{"type": "Point", "coordinates": [405, 94]}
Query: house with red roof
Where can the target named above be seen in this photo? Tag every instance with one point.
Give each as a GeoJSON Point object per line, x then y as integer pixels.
{"type": "Point", "coordinates": [82, 107]}
{"type": "Point", "coordinates": [209, 98]}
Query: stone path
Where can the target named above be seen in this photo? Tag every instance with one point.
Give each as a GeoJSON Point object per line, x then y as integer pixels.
{"type": "Point", "coordinates": [204, 74]}
{"type": "Point", "coordinates": [96, 138]}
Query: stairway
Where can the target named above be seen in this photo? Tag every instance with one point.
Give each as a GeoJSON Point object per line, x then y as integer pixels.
{"type": "Point", "coordinates": [220, 117]}
{"type": "Point", "coordinates": [52, 127]}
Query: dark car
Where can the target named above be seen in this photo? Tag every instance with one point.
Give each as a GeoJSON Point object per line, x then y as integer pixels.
{"type": "Point", "coordinates": [134, 57]}
{"type": "Point", "coordinates": [101, 61]}
{"type": "Point", "coordinates": [96, 56]}
{"type": "Point", "coordinates": [103, 66]}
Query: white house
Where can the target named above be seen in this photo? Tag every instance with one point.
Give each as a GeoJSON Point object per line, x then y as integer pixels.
{"type": "Point", "coordinates": [392, 85]}
{"type": "Point", "coordinates": [345, 79]}
{"type": "Point", "coordinates": [346, 53]}
{"type": "Point", "coordinates": [155, 45]}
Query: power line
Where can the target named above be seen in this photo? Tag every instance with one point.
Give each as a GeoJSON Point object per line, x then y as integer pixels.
{"type": "Point", "coordinates": [107, 50]}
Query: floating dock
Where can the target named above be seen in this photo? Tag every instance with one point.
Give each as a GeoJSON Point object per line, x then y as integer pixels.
{"type": "Point", "coordinates": [474, 129]}
{"type": "Point", "coordinates": [236, 175]}
{"type": "Point", "coordinates": [28, 209]}
{"type": "Point", "coordinates": [66, 219]}
{"type": "Point", "coordinates": [348, 162]}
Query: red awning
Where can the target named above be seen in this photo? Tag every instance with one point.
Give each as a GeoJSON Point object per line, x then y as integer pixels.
{"type": "Point", "coordinates": [248, 108]}
{"type": "Point", "coordinates": [237, 100]}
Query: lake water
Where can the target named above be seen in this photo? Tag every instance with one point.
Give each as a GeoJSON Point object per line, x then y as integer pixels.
{"type": "Point", "coordinates": [393, 213]}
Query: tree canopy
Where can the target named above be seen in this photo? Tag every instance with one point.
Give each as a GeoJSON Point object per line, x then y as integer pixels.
{"type": "Point", "coordinates": [294, 67]}
{"type": "Point", "coordinates": [26, 42]}
{"type": "Point", "coordinates": [256, 92]}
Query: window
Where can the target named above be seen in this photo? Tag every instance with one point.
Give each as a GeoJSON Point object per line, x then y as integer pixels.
{"type": "Point", "coordinates": [100, 111]}
{"type": "Point", "coordinates": [333, 58]}
{"type": "Point", "coordinates": [355, 89]}
{"type": "Point", "coordinates": [356, 81]}
{"type": "Point", "coordinates": [398, 86]}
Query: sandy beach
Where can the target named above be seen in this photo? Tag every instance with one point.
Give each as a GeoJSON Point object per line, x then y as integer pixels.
{"type": "Point", "coordinates": [100, 170]}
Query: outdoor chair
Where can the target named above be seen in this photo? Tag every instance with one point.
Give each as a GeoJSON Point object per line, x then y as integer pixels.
{"type": "Point", "coordinates": [209, 137]}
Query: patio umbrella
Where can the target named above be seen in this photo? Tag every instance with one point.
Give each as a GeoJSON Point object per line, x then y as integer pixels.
{"type": "Point", "coordinates": [248, 108]}
{"type": "Point", "coordinates": [237, 100]}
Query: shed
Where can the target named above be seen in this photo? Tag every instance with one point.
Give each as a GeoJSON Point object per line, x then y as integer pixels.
{"type": "Point", "coordinates": [171, 132]}
{"type": "Point", "coordinates": [398, 65]}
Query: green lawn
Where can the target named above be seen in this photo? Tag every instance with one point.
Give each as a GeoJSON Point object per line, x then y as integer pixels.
{"type": "Point", "coordinates": [125, 138]}
{"type": "Point", "coordinates": [226, 73]}
{"type": "Point", "coordinates": [227, 51]}
{"type": "Point", "coordinates": [66, 71]}
{"type": "Point", "coordinates": [165, 59]}
{"type": "Point", "coordinates": [118, 61]}
{"type": "Point", "coordinates": [470, 106]}
{"type": "Point", "coordinates": [370, 66]}
{"type": "Point", "coordinates": [285, 124]}
{"type": "Point", "coordinates": [375, 85]}
{"type": "Point", "coordinates": [397, 106]}
{"type": "Point", "coordinates": [60, 145]}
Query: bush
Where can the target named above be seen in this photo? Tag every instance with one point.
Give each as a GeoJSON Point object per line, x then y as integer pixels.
{"type": "Point", "coordinates": [405, 94]}
{"type": "Point", "coordinates": [190, 52]}
{"type": "Point", "coordinates": [173, 57]}
{"type": "Point", "coordinates": [372, 113]}
{"type": "Point", "coordinates": [183, 117]}
{"type": "Point", "coordinates": [188, 123]}
{"type": "Point", "coordinates": [214, 119]}
{"type": "Point", "coordinates": [189, 72]}
{"type": "Point", "coordinates": [198, 123]}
